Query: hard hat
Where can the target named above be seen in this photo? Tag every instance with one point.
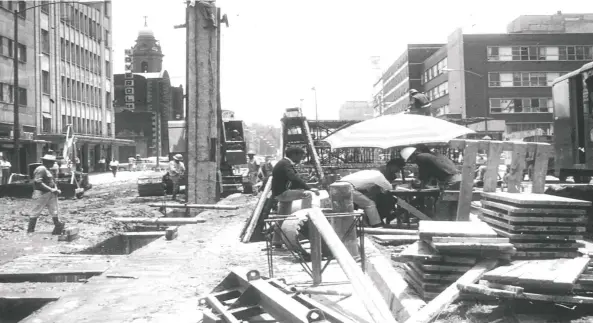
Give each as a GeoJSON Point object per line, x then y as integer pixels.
{"type": "Point", "coordinates": [407, 152]}
{"type": "Point", "coordinates": [251, 152]}
{"type": "Point", "coordinates": [49, 157]}
{"type": "Point", "coordinates": [178, 157]}
{"type": "Point", "coordinates": [413, 91]}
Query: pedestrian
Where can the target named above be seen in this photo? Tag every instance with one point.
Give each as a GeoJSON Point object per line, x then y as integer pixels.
{"type": "Point", "coordinates": [102, 164]}
{"type": "Point", "coordinates": [433, 166]}
{"type": "Point", "coordinates": [369, 184]}
{"type": "Point", "coordinates": [253, 166]}
{"type": "Point", "coordinates": [176, 171]}
{"type": "Point", "coordinates": [131, 163]}
{"type": "Point", "coordinates": [265, 172]}
{"type": "Point", "coordinates": [45, 194]}
{"type": "Point", "coordinates": [4, 169]}
{"type": "Point", "coordinates": [419, 103]}
{"type": "Point", "coordinates": [114, 165]}
{"type": "Point", "coordinates": [287, 185]}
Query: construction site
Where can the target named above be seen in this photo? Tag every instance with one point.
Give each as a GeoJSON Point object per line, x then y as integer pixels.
{"type": "Point", "coordinates": [511, 243]}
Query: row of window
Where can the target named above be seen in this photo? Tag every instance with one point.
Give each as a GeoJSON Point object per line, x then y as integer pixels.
{"type": "Point", "coordinates": [7, 49]}
{"type": "Point", "coordinates": [436, 70]}
{"type": "Point", "coordinates": [540, 53]}
{"type": "Point", "coordinates": [517, 127]}
{"type": "Point", "coordinates": [400, 77]}
{"type": "Point", "coordinates": [78, 91]}
{"type": "Point", "coordinates": [521, 105]}
{"type": "Point", "coordinates": [522, 79]}
{"type": "Point", "coordinates": [396, 66]}
{"type": "Point", "coordinates": [7, 94]}
{"type": "Point", "coordinates": [438, 91]}
{"type": "Point", "coordinates": [85, 126]}
{"type": "Point", "coordinates": [76, 19]}
{"type": "Point", "coordinates": [10, 5]}
{"type": "Point", "coordinates": [75, 54]}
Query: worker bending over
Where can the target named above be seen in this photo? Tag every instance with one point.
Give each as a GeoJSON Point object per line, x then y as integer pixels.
{"type": "Point", "coordinates": [419, 103]}
{"type": "Point", "coordinates": [368, 185]}
{"type": "Point", "coordinates": [45, 194]}
{"type": "Point", "coordinates": [176, 170]}
{"type": "Point", "coordinates": [433, 166]}
{"type": "Point", "coordinates": [253, 166]}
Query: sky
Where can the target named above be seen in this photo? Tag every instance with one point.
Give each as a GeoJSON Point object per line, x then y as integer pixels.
{"type": "Point", "coordinates": [275, 51]}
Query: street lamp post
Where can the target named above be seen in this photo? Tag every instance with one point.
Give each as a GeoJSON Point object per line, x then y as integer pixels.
{"type": "Point", "coordinates": [15, 61]}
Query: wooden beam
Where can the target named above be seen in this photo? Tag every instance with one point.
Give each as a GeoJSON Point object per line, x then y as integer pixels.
{"type": "Point", "coordinates": [146, 234]}
{"type": "Point", "coordinates": [362, 284]}
{"type": "Point", "coordinates": [171, 232]}
{"type": "Point", "coordinates": [400, 298]}
{"type": "Point", "coordinates": [517, 166]}
{"type": "Point", "coordinates": [491, 175]}
{"type": "Point", "coordinates": [381, 231]}
{"type": "Point", "coordinates": [196, 206]}
{"type": "Point", "coordinates": [498, 293]}
{"type": "Point", "coordinates": [449, 295]}
{"type": "Point", "coordinates": [470, 153]}
{"type": "Point", "coordinates": [540, 168]}
{"type": "Point", "coordinates": [414, 211]}
{"type": "Point", "coordinates": [256, 214]}
{"type": "Point", "coordinates": [321, 291]}
{"type": "Point", "coordinates": [176, 221]}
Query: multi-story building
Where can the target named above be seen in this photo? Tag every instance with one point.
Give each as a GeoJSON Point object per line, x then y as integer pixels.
{"type": "Point", "coordinates": [391, 91]}
{"type": "Point", "coordinates": [502, 81]}
{"type": "Point", "coordinates": [355, 110]}
{"type": "Point", "coordinates": [555, 24]}
{"type": "Point", "coordinates": [64, 79]}
{"type": "Point", "coordinates": [143, 96]}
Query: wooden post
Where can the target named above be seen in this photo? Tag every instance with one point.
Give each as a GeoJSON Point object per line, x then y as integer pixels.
{"type": "Point", "coordinates": [202, 91]}
{"type": "Point", "coordinates": [540, 168]}
{"type": "Point", "coordinates": [517, 167]}
{"type": "Point", "coordinates": [341, 198]}
{"type": "Point", "coordinates": [491, 176]}
{"type": "Point", "coordinates": [470, 152]}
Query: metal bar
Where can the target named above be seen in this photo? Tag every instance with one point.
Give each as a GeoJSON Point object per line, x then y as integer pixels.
{"type": "Point", "coordinates": [221, 309]}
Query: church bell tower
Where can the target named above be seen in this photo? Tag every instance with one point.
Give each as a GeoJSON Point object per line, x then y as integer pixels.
{"type": "Point", "coordinates": [147, 56]}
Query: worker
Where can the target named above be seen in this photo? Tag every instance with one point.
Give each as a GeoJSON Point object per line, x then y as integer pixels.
{"type": "Point", "coordinates": [266, 171]}
{"type": "Point", "coordinates": [114, 165]}
{"type": "Point", "coordinates": [287, 185]}
{"type": "Point", "coordinates": [253, 166]}
{"type": "Point", "coordinates": [419, 104]}
{"type": "Point", "coordinates": [4, 169]}
{"type": "Point", "coordinates": [131, 163]}
{"type": "Point", "coordinates": [235, 135]}
{"type": "Point", "coordinates": [176, 171]}
{"type": "Point", "coordinates": [368, 184]}
{"type": "Point", "coordinates": [45, 194]}
{"type": "Point", "coordinates": [433, 166]}
{"type": "Point", "coordinates": [102, 164]}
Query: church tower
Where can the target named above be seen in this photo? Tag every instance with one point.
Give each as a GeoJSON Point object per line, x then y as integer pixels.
{"type": "Point", "coordinates": [147, 56]}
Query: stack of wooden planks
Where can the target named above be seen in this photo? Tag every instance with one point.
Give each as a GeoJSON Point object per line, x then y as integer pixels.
{"type": "Point", "coordinates": [548, 280]}
{"type": "Point", "coordinates": [447, 250]}
{"type": "Point", "coordinates": [540, 226]}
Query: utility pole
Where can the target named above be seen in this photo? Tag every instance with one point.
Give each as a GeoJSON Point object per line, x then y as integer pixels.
{"type": "Point", "coordinates": [202, 103]}
{"type": "Point", "coordinates": [16, 122]}
{"type": "Point", "coordinates": [157, 112]}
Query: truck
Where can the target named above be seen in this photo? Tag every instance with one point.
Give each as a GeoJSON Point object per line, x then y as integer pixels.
{"type": "Point", "coordinates": [573, 124]}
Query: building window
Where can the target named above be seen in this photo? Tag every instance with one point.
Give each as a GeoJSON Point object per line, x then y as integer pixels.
{"type": "Point", "coordinates": [438, 91]}
{"type": "Point", "coordinates": [45, 7]}
{"type": "Point", "coordinates": [522, 79]}
{"type": "Point", "coordinates": [22, 9]}
{"type": "Point", "coordinates": [64, 86]}
{"type": "Point", "coordinates": [22, 53]}
{"type": "Point", "coordinates": [521, 105]}
{"type": "Point", "coordinates": [108, 129]}
{"type": "Point", "coordinates": [45, 84]}
{"type": "Point", "coordinates": [62, 49]}
{"type": "Point", "coordinates": [106, 39]}
{"type": "Point", "coordinates": [22, 96]}
{"type": "Point", "coordinates": [46, 126]}
{"type": "Point", "coordinates": [434, 71]}
{"type": "Point", "coordinates": [518, 127]}
{"type": "Point", "coordinates": [107, 69]}
{"type": "Point", "coordinates": [540, 53]}
{"type": "Point", "coordinates": [44, 41]}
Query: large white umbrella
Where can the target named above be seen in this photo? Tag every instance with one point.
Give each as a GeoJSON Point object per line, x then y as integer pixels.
{"type": "Point", "coordinates": [396, 130]}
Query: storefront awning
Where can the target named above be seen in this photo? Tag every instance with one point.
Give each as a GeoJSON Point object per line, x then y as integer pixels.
{"type": "Point", "coordinates": [82, 139]}
{"type": "Point", "coordinates": [46, 115]}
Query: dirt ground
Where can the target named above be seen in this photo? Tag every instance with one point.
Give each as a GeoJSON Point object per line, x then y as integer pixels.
{"type": "Point", "coordinates": [109, 197]}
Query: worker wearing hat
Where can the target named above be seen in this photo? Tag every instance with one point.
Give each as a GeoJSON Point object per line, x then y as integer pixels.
{"type": "Point", "coordinates": [253, 166]}
{"type": "Point", "coordinates": [45, 194]}
{"type": "Point", "coordinates": [176, 170]}
{"type": "Point", "coordinates": [433, 166]}
{"type": "Point", "coordinates": [419, 103]}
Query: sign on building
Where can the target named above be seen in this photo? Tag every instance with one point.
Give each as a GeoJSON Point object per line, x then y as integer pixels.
{"type": "Point", "coordinates": [129, 81]}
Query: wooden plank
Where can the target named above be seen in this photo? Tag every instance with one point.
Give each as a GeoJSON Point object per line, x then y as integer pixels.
{"type": "Point", "coordinates": [395, 239]}
{"type": "Point", "coordinates": [527, 211]}
{"type": "Point", "coordinates": [362, 285]}
{"type": "Point", "coordinates": [545, 254]}
{"type": "Point", "coordinates": [463, 247]}
{"type": "Point", "coordinates": [414, 211]}
{"type": "Point", "coordinates": [436, 306]}
{"type": "Point", "coordinates": [379, 231]}
{"type": "Point", "coordinates": [546, 245]}
{"type": "Point", "coordinates": [171, 232]}
{"type": "Point", "coordinates": [540, 168]}
{"type": "Point", "coordinates": [480, 289]}
{"type": "Point", "coordinates": [518, 228]}
{"type": "Point", "coordinates": [470, 153]}
{"type": "Point", "coordinates": [572, 270]}
{"type": "Point", "coordinates": [395, 291]}
{"type": "Point", "coordinates": [37, 291]}
{"type": "Point", "coordinates": [433, 277]}
{"type": "Point", "coordinates": [510, 288]}
{"type": "Point", "coordinates": [444, 268]}
{"type": "Point", "coordinates": [453, 196]}
{"type": "Point", "coordinates": [195, 206]}
{"type": "Point", "coordinates": [429, 229]}
{"type": "Point", "coordinates": [468, 240]}
{"type": "Point", "coordinates": [256, 214]}
{"type": "Point", "coordinates": [145, 234]}
{"type": "Point", "coordinates": [537, 200]}
{"type": "Point", "coordinates": [491, 175]}
{"type": "Point", "coordinates": [536, 237]}
{"type": "Point", "coordinates": [162, 220]}
{"type": "Point", "coordinates": [515, 176]}
{"type": "Point", "coordinates": [418, 251]}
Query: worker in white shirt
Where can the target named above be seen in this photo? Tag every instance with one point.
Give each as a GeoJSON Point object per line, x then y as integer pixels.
{"type": "Point", "coordinates": [4, 169]}
{"type": "Point", "coordinates": [367, 184]}
{"type": "Point", "coordinates": [176, 170]}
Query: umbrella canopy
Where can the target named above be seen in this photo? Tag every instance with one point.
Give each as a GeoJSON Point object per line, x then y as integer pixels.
{"type": "Point", "coordinates": [396, 130]}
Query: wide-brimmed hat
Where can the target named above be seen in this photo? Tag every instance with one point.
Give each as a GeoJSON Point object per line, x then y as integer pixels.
{"type": "Point", "coordinates": [178, 157]}
{"type": "Point", "coordinates": [251, 152]}
{"type": "Point", "coordinates": [49, 157]}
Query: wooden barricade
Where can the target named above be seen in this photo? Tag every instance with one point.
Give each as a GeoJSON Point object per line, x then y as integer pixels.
{"type": "Point", "coordinates": [519, 151]}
